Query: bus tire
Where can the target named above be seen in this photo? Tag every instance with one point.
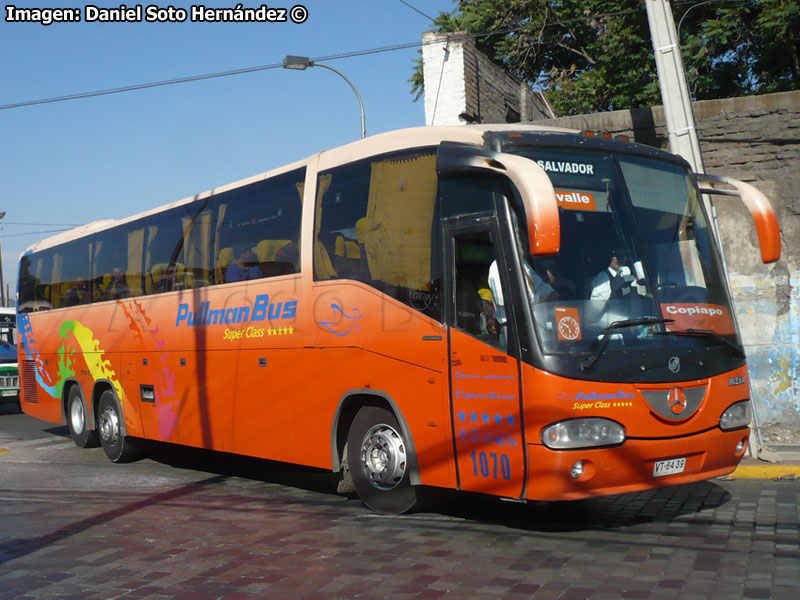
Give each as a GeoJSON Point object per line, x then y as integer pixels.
{"type": "Point", "coordinates": [118, 447]}
{"type": "Point", "coordinates": [78, 420]}
{"type": "Point", "coordinates": [379, 463]}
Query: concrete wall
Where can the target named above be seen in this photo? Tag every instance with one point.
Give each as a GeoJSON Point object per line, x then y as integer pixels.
{"type": "Point", "coordinates": [755, 139]}
{"type": "Point", "coordinates": [463, 86]}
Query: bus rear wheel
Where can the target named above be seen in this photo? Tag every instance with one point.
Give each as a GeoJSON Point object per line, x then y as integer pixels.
{"type": "Point", "coordinates": [379, 462]}
{"type": "Point", "coordinates": [118, 447]}
{"type": "Point", "coordinates": [78, 420]}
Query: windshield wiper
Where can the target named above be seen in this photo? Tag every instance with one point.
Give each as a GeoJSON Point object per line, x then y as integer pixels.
{"type": "Point", "coordinates": [705, 333]}
{"type": "Point", "coordinates": [591, 361]}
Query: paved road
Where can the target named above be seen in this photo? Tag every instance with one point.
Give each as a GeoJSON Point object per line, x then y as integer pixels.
{"type": "Point", "coordinates": [194, 525]}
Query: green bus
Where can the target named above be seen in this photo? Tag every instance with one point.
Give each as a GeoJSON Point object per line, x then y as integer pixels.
{"type": "Point", "coordinates": [9, 374]}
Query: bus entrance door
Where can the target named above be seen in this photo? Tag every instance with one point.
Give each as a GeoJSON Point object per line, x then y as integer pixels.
{"type": "Point", "coordinates": [484, 378]}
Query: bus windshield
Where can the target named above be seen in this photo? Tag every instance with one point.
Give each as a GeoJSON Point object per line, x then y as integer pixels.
{"type": "Point", "coordinates": [638, 263]}
{"type": "Point", "coordinates": [8, 353]}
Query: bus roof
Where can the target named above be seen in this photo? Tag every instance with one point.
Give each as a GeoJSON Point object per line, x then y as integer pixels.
{"type": "Point", "coordinates": [377, 144]}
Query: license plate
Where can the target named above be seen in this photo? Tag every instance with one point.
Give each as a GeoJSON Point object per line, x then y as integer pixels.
{"type": "Point", "coordinates": [8, 393]}
{"type": "Point", "coordinates": [669, 467]}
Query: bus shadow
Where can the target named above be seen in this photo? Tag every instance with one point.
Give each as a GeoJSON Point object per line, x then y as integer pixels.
{"type": "Point", "coordinates": [234, 465]}
{"type": "Point", "coordinates": [10, 408]}
{"type": "Point", "coordinates": [59, 430]}
{"type": "Point", "coordinates": [662, 505]}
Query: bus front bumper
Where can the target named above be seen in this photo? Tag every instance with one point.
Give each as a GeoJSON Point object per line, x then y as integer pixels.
{"type": "Point", "coordinates": [636, 465]}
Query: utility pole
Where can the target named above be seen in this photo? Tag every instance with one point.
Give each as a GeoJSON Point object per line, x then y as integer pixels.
{"type": "Point", "coordinates": [683, 137]}
{"type": "Point", "coordinates": [2, 285]}
{"type": "Point", "coordinates": [672, 80]}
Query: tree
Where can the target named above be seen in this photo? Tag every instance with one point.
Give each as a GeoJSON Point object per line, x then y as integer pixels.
{"type": "Point", "coordinates": [596, 55]}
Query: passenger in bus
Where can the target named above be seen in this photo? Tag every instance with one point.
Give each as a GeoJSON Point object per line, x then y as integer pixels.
{"type": "Point", "coordinates": [538, 288]}
{"type": "Point", "coordinates": [77, 293]}
{"type": "Point", "coordinates": [490, 326]}
{"type": "Point", "coordinates": [169, 281]}
{"type": "Point", "coordinates": [616, 280]}
{"type": "Point", "coordinates": [564, 287]}
{"type": "Point", "coordinates": [288, 256]}
{"type": "Point", "coordinates": [117, 286]}
{"type": "Point", "coordinates": [244, 267]}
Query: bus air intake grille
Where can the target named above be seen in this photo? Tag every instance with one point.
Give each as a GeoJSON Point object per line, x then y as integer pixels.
{"type": "Point", "coordinates": [29, 389]}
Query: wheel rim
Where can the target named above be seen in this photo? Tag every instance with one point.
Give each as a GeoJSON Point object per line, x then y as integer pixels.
{"type": "Point", "coordinates": [76, 416]}
{"type": "Point", "coordinates": [383, 457]}
{"type": "Point", "coordinates": [109, 426]}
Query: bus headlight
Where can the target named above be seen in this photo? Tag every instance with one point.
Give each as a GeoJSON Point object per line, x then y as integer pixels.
{"type": "Point", "coordinates": [590, 432]}
{"type": "Point", "coordinates": [736, 416]}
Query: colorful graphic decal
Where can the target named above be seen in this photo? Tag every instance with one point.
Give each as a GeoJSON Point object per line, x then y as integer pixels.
{"type": "Point", "coordinates": [343, 324]}
{"type": "Point", "coordinates": [93, 355]}
{"type": "Point", "coordinates": [90, 351]}
{"type": "Point", "coordinates": [167, 405]}
{"type": "Point", "coordinates": [43, 378]}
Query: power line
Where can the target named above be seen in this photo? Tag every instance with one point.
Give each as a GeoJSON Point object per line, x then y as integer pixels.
{"type": "Point", "coordinates": [141, 86]}
{"type": "Point", "coordinates": [34, 233]}
{"type": "Point", "coordinates": [42, 224]}
{"type": "Point", "coordinates": [416, 10]}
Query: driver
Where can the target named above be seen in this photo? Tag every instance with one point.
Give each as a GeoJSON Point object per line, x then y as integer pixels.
{"type": "Point", "coordinates": [615, 281]}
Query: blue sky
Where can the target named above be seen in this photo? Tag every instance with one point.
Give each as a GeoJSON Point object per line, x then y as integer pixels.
{"type": "Point", "coordinates": [112, 156]}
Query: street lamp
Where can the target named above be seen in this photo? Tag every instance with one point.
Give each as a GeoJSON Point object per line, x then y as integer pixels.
{"type": "Point", "coordinates": [2, 285]}
{"type": "Point", "coordinates": [301, 63]}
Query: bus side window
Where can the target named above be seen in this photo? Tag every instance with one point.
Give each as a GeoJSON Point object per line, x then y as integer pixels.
{"type": "Point", "coordinates": [479, 308]}
{"type": "Point", "coordinates": [164, 234]}
{"type": "Point", "coordinates": [374, 223]}
{"type": "Point", "coordinates": [35, 274]}
{"type": "Point", "coordinates": [70, 274]}
{"type": "Point", "coordinates": [115, 251]}
{"type": "Point", "coordinates": [257, 229]}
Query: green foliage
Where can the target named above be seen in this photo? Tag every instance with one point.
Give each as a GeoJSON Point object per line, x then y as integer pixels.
{"type": "Point", "coordinates": [595, 55]}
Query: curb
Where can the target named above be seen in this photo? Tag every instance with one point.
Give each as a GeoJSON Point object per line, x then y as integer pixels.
{"type": "Point", "coordinates": [767, 471]}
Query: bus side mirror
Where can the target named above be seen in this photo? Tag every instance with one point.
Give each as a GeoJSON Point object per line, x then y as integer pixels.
{"type": "Point", "coordinates": [767, 229]}
{"type": "Point", "coordinates": [532, 184]}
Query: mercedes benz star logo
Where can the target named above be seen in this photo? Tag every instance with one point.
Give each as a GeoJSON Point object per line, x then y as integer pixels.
{"type": "Point", "coordinates": [676, 400]}
{"type": "Point", "coordinates": [674, 364]}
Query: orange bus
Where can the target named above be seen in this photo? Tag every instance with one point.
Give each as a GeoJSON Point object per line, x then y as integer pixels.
{"type": "Point", "coordinates": [514, 310]}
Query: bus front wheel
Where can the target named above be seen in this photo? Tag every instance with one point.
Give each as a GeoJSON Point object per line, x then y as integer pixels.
{"type": "Point", "coordinates": [118, 447]}
{"type": "Point", "coordinates": [78, 421]}
{"type": "Point", "coordinates": [379, 461]}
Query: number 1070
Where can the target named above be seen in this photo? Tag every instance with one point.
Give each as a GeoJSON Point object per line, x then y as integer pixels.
{"type": "Point", "coordinates": [481, 460]}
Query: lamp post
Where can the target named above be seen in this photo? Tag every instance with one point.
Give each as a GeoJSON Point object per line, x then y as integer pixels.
{"type": "Point", "coordinates": [2, 284]}
{"type": "Point", "coordinates": [301, 63]}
